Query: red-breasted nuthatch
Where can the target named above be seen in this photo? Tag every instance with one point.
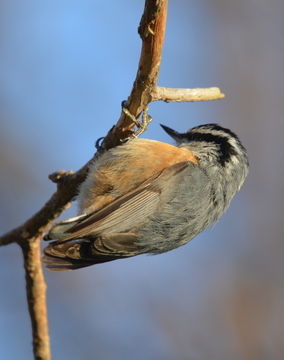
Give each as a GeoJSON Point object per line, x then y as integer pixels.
{"type": "Point", "coordinates": [147, 196]}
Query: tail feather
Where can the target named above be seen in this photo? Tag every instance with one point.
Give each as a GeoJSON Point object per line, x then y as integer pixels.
{"type": "Point", "coordinates": [57, 264]}
{"type": "Point", "coordinates": [73, 255]}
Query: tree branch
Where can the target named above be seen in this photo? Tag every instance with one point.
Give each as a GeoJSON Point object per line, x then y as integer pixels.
{"type": "Point", "coordinates": [36, 297]}
{"type": "Point", "coordinates": [152, 32]}
{"type": "Point", "coordinates": [169, 94]}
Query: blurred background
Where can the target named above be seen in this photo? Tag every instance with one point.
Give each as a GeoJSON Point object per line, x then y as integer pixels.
{"type": "Point", "coordinates": [65, 67]}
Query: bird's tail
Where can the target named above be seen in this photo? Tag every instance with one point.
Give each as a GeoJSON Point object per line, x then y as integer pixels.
{"type": "Point", "coordinates": [61, 255]}
{"type": "Point", "coordinates": [71, 255]}
{"type": "Point", "coordinates": [68, 255]}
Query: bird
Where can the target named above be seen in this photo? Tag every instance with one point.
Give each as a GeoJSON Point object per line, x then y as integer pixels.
{"type": "Point", "coordinates": [149, 197]}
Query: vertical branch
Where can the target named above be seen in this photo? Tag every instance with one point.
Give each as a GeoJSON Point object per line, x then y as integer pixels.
{"type": "Point", "coordinates": [36, 297]}
{"type": "Point", "coordinates": [152, 32]}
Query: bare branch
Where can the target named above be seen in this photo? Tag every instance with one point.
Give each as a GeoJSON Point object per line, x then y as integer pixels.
{"type": "Point", "coordinates": [10, 237]}
{"type": "Point", "coordinates": [39, 223]}
{"type": "Point", "coordinates": [152, 32]}
{"type": "Point", "coordinates": [36, 296]}
{"type": "Point", "coordinates": [173, 94]}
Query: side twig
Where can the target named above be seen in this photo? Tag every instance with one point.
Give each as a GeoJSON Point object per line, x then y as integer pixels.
{"type": "Point", "coordinates": [168, 94]}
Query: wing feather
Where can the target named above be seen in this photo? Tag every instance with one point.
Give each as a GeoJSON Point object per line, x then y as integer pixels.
{"type": "Point", "coordinates": [110, 233]}
{"type": "Point", "coordinates": [127, 211]}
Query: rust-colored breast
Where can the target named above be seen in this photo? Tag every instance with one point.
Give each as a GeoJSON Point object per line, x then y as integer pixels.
{"type": "Point", "coordinates": [125, 167]}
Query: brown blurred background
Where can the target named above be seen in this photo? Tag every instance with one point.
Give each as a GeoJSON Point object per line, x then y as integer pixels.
{"type": "Point", "coordinates": [64, 69]}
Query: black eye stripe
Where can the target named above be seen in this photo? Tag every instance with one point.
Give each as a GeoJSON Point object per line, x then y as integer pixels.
{"type": "Point", "coordinates": [226, 149]}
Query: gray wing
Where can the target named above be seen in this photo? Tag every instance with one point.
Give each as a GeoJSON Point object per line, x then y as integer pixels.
{"type": "Point", "coordinates": [109, 233]}
{"type": "Point", "coordinates": [130, 210]}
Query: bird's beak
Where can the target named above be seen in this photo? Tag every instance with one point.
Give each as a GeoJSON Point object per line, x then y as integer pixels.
{"type": "Point", "coordinates": [174, 134]}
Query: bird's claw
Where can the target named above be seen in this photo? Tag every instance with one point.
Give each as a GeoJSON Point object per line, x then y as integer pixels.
{"type": "Point", "coordinates": [141, 125]}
